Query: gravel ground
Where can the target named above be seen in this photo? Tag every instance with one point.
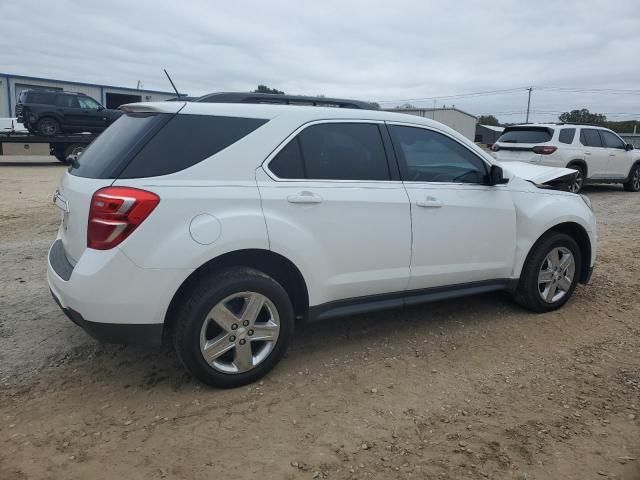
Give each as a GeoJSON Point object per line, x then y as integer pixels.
{"type": "Point", "coordinates": [472, 388]}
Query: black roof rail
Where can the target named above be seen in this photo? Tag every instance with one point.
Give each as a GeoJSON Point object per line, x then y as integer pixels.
{"type": "Point", "coordinates": [581, 124]}
{"type": "Point", "coordinates": [282, 99]}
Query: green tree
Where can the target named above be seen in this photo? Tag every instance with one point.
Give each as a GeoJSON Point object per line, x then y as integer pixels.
{"type": "Point", "coordinates": [265, 89]}
{"type": "Point", "coordinates": [582, 116]}
{"type": "Point", "coordinates": [488, 120]}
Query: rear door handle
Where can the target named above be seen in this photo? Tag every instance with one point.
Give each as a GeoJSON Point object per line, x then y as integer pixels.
{"type": "Point", "coordinates": [612, 154]}
{"type": "Point", "coordinates": [430, 202]}
{"type": "Point", "coordinates": [587, 153]}
{"type": "Point", "coordinates": [304, 197]}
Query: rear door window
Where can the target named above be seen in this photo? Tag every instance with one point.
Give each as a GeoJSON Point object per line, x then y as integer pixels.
{"type": "Point", "coordinates": [526, 135]}
{"type": "Point", "coordinates": [67, 101]}
{"type": "Point", "coordinates": [334, 151]}
{"type": "Point", "coordinates": [611, 140]}
{"type": "Point", "coordinates": [42, 98]}
{"type": "Point", "coordinates": [567, 135]}
{"type": "Point", "coordinates": [590, 137]}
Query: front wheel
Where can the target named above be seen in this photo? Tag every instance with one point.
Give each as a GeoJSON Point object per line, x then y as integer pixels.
{"type": "Point", "coordinates": [233, 327]}
{"type": "Point", "coordinates": [633, 184]}
{"type": "Point", "coordinates": [550, 274]}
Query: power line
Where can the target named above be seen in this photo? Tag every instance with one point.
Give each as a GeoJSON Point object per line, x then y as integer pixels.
{"type": "Point", "coordinates": [461, 95]}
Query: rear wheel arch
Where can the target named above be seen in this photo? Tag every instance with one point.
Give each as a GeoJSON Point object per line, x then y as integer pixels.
{"type": "Point", "coordinates": [581, 163]}
{"type": "Point", "coordinates": [276, 266]}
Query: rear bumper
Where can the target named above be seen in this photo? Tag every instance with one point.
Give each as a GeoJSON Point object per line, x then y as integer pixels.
{"type": "Point", "coordinates": [110, 297]}
{"type": "Point", "coordinates": [115, 332]}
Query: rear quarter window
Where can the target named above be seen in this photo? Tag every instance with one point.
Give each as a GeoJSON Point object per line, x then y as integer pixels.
{"type": "Point", "coordinates": [526, 135]}
{"type": "Point", "coordinates": [567, 135]}
{"type": "Point", "coordinates": [144, 145]}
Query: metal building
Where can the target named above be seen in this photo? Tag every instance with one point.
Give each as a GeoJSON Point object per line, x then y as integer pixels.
{"type": "Point", "coordinates": [107, 95]}
{"type": "Point", "coordinates": [462, 122]}
{"type": "Point", "coordinates": [488, 134]}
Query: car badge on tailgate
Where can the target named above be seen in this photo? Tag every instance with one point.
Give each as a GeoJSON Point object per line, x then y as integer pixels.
{"type": "Point", "coordinates": [61, 202]}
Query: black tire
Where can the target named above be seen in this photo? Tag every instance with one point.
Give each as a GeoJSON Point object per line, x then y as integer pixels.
{"type": "Point", "coordinates": [576, 186]}
{"type": "Point", "coordinates": [633, 184]}
{"type": "Point", "coordinates": [195, 306]}
{"type": "Point", "coordinates": [74, 149]}
{"type": "Point", "coordinates": [48, 126]}
{"type": "Point", "coordinates": [528, 292]}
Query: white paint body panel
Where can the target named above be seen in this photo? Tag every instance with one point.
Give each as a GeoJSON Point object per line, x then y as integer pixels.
{"type": "Point", "coordinates": [356, 242]}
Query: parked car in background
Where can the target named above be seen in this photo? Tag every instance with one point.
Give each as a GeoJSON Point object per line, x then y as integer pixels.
{"type": "Point", "coordinates": [218, 226]}
{"type": "Point", "coordinates": [596, 153]}
{"type": "Point", "coordinates": [51, 112]}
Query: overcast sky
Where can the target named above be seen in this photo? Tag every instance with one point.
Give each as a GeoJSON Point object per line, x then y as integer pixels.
{"type": "Point", "coordinates": [385, 51]}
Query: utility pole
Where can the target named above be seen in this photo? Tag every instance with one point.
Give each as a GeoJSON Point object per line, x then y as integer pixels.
{"type": "Point", "coordinates": [528, 104]}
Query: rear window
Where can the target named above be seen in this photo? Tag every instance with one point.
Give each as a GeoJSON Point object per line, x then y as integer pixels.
{"type": "Point", "coordinates": [143, 145]}
{"type": "Point", "coordinates": [526, 135]}
{"type": "Point", "coordinates": [566, 135]}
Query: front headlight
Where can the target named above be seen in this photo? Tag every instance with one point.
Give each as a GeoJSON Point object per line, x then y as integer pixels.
{"type": "Point", "coordinates": [587, 201]}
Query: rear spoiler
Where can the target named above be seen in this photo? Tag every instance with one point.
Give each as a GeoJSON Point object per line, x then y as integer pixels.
{"type": "Point", "coordinates": [153, 107]}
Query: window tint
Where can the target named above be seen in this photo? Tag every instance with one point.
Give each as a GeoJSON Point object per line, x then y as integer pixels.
{"type": "Point", "coordinates": [526, 135]}
{"type": "Point", "coordinates": [428, 156]}
{"type": "Point", "coordinates": [114, 147]}
{"type": "Point", "coordinates": [611, 140]}
{"type": "Point", "coordinates": [44, 98]}
{"type": "Point", "coordinates": [334, 151]}
{"type": "Point", "coordinates": [67, 101]}
{"type": "Point", "coordinates": [186, 140]}
{"type": "Point", "coordinates": [590, 137]}
{"type": "Point", "coordinates": [87, 102]}
{"type": "Point", "coordinates": [288, 162]}
{"type": "Point", "coordinates": [567, 135]}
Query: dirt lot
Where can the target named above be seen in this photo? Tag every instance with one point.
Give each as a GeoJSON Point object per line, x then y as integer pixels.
{"type": "Point", "coordinates": [476, 388]}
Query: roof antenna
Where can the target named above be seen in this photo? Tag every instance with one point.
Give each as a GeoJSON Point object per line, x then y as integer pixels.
{"type": "Point", "coordinates": [172, 84]}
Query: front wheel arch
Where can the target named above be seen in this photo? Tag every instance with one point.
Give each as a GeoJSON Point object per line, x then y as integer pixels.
{"type": "Point", "coordinates": [581, 237]}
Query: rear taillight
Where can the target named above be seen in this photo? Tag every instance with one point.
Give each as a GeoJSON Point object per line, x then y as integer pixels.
{"type": "Point", "coordinates": [544, 149]}
{"type": "Point", "coordinates": [495, 147]}
{"type": "Point", "coordinates": [115, 213]}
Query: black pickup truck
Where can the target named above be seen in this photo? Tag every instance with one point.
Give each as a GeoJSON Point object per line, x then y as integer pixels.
{"type": "Point", "coordinates": [50, 113]}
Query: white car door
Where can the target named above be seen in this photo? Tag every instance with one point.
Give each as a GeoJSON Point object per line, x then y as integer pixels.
{"type": "Point", "coordinates": [620, 158]}
{"type": "Point", "coordinates": [463, 231]}
{"type": "Point", "coordinates": [595, 154]}
{"type": "Point", "coordinates": [334, 207]}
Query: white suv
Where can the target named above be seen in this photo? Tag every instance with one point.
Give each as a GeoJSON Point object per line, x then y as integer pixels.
{"type": "Point", "coordinates": [597, 154]}
{"type": "Point", "coordinates": [218, 226]}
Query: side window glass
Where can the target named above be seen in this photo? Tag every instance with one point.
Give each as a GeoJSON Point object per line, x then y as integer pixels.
{"type": "Point", "coordinates": [428, 156]}
{"type": "Point", "coordinates": [567, 135]}
{"type": "Point", "coordinates": [590, 137]}
{"type": "Point", "coordinates": [288, 162]}
{"type": "Point", "coordinates": [611, 140]}
{"type": "Point", "coordinates": [67, 101]}
{"type": "Point", "coordinates": [90, 103]}
{"type": "Point", "coordinates": [343, 151]}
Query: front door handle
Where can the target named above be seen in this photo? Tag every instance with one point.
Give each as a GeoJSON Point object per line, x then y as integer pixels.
{"type": "Point", "coordinates": [612, 154]}
{"type": "Point", "coordinates": [429, 202]}
{"type": "Point", "coordinates": [304, 197]}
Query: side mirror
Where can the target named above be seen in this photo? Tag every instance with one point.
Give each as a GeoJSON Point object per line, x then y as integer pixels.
{"type": "Point", "coordinates": [100, 108]}
{"type": "Point", "coordinates": [496, 176]}
{"type": "Point", "coordinates": [73, 161]}
{"type": "Point", "coordinates": [628, 147]}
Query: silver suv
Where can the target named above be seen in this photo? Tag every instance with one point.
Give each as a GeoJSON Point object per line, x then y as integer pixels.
{"type": "Point", "coordinates": [598, 154]}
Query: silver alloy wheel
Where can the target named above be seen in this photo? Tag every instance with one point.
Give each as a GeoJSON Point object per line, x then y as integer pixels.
{"type": "Point", "coordinates": [556, 274]}
{"type": "Point", "coordinates": [577, 182]}
{"type": "Point", "coordinates": [240, 332]}
{"type": "Point", "coordinates": [635, 180]}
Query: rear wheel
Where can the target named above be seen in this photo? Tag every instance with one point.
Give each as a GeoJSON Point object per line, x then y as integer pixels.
{"type": "Point", "coordinates": [633, 184]}
{"type": "Point", "coordinates": [233, 327]}
{"type": "Point", "coordinates": [48, 126]}
{"type": "Point", "coordinates": [550, 274]}
{"type": "Point", "coordinates": [578, 181]}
